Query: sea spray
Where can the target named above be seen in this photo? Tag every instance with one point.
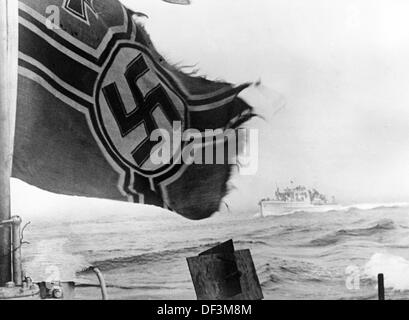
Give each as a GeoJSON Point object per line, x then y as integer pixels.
{"type": "Point", "coordinates": [394, 268]}
{"type": "Point", "coordinates": [54, 262]}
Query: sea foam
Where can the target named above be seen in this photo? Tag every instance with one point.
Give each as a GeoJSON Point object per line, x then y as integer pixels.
{"type": "Point", "coordinates": [394, 268]}
{"type": "Point", "coordinates": [340, 208]}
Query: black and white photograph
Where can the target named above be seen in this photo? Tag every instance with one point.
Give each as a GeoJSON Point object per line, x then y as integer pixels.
{"type": "Point", "coordinates": [228, 151]}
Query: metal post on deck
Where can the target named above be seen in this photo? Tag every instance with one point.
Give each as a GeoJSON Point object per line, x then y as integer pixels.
{"type": "Point", "coordinates": [8, 98]}
{"type": "Point", "coordinates": [12, 284]}
{"type": "Point", "coordinates": [381, 287]}
{"type": "Point", "coordinates": [16, 252]}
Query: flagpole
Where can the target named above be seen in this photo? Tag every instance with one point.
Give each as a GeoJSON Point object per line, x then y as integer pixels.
{"type": "Point", "coordinates": [8, 99]}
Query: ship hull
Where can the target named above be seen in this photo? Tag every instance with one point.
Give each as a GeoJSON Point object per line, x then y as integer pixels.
{"type": "Point", "coordinates": [280, 208]}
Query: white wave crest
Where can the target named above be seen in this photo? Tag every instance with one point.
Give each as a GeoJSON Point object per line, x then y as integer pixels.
{"type": "Point", "coordinates": [371, 206]}
{"type": "Point", "coordinates": [338, 208]}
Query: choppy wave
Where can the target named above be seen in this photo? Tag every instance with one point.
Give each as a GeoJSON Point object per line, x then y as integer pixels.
{"type": "Point", "coordinates": [335, 237]}
{"type": "Point", "coordinates": [372, 206]}
{"type": "Point", "coordinates": [338, 208]}
{"type": "Point", "coordinates": [151, 257]}
{"type": "Point", "coordinates": [122, 287]}
{"type": "Point", "coordinates": [250, 242]}
{"type": "Point", "coordinates": [141, 259]}
{"type": "Point", "coordinates": [302, 256]}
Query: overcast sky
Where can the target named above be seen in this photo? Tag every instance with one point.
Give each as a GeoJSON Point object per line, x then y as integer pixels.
{"type": "Point", "coordinates": [342, 67]}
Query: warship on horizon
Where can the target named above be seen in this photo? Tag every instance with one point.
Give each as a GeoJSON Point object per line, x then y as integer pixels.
{"type": "Point", "coordinates": [293, 199]}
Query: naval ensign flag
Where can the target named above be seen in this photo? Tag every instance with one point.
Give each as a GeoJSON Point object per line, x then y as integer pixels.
{"type": "Point", "coordinates": [92, 89]}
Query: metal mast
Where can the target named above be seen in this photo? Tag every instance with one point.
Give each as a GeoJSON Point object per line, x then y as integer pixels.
{"type": "Point", "coordinates": [8, 98]}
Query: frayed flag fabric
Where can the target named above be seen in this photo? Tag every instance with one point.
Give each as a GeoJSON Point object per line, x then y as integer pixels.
{"type": "Point", "coordinates": [91, 91]}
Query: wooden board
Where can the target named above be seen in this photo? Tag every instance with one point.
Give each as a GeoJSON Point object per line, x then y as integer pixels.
{"type": "Point", "coordinates": [210, 283]}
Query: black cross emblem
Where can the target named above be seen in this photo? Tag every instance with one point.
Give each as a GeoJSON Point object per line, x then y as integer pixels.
{"type": "Point", "coordinates": [80, 8]}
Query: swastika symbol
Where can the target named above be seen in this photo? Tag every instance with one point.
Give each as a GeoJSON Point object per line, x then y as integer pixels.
{"type": "Point", "coordinates": [145, 105]}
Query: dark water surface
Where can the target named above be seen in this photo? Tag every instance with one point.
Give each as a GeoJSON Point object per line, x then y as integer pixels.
{"type": "Point", "coordinates": [304, 255]}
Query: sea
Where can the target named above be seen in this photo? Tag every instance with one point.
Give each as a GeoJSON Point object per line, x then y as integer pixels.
{"type": "Point", "coordinates": [317, 254]}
